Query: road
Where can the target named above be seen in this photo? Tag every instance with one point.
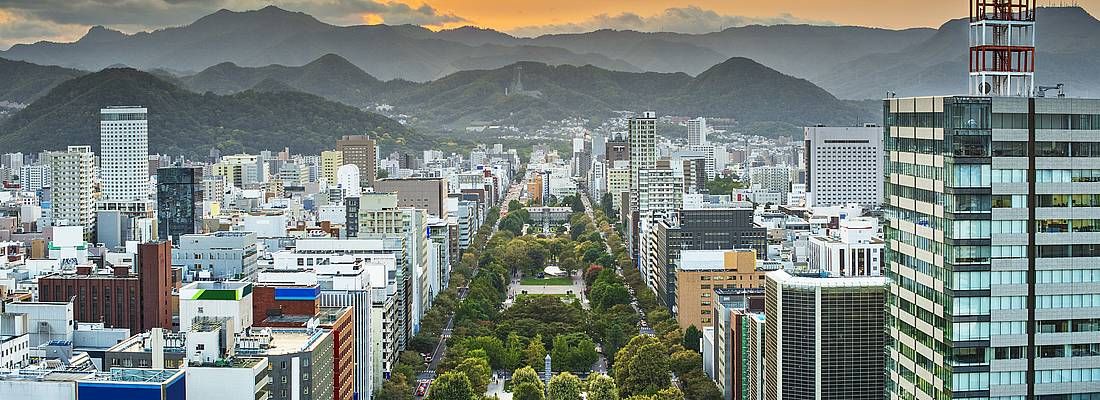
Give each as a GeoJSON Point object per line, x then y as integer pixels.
{"type": "Point", "coordinates": [644, 328]}
{"type": "Point", "coordinates": [429, 372]}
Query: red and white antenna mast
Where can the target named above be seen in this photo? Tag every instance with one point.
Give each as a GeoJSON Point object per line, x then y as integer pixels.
{"type": "Point", "coordinates": [1002, 47]}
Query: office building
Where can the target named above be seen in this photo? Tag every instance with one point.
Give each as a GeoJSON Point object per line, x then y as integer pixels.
{"type": "Point", "coordinates": [643, 150]}
{"type": "Point", "coordinates": [217, 256]}
{"type": "Point", "coordinates": [73, 186]}
{"type": "Point", "coordinates": [331, 160]}
{"type": "Point", "coordinates": [617, 149]}
{"type": "Point", "coordinates": [854, 250]}
{"type": "Point", "coordinates": [424, 193]}
{"type": "Point", "coordinates": [362, 151]}
{"type": "Point", "coordinates": [844, 165]}
{"type": "Point", "coordinates": [33, 178]}
{"type": "Point", "coordinates": [179, 202]}
{"type": "Point", "coordinates": [738, 349]}
{"type": "Point", "coordinates": [824, 337]}
{"type": "Point", "coordinates": [1008, 267]}
{"type": "Point", "coordinates": [771, 178]}
{"type": "Point", "coordinates": [134, 383]}
{"type": "Point", "coordinates": [124, 154]}
{"type": "Point", "coordinates": [135, 297]}
{"type": "Point", "coordinates": [697, 131]}
{"type": "Point", "coordinates": [239, 170]}
{"type": "Point", "coordinates": [200, 301]}
{"type": "Point", "coordinates": [700, 272]}
{"type": "Point", "coordinates": [660, 190]}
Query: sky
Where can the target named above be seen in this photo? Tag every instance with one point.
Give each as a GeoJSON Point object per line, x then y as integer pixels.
{"type": "Point", "coordinates": [27, 21]}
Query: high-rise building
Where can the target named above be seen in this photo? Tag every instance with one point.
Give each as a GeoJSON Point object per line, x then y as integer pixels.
{"type": "Point", "coordinates": [331, 160]}
{"type": "Point", "coordinates": [179, 202]}
{"type": "Point", "coordinates": [771, 178]}
{"type": "Point", "coordinates": [362, 151]}
{"type": "Point", "coordinates": [697, 131]}
{"type": "Point", "coordinates": [738, 348]}
{"type": "Point", "coordinates": [617, 149]}
{"type": "Point", "coordinates": [844, 165]}
{"type": "Point", "coordinates": [224, 255]}
{"type": "Point", "coordinates": [824, 337]}
{"type": "Point", "coordinates": [643, 150]}
{"type": "Point", "coordinates": [73, 186]}
{"type": "Point", "coordinates": [35, 177]}
{"type": "Point", "coordinates": [426, 193]}
{"type": "Point", "coordinates": [660, 190]}
{"type": "Point", "coordinates": [124, 154]}
{"type": "Point", "coordinates": [993, 296]}
{"type": "Point", "coordinates": [708, 152]}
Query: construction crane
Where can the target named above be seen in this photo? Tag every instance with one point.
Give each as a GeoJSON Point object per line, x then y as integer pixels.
{"type": "Point", "coordinates": [1041, 91]}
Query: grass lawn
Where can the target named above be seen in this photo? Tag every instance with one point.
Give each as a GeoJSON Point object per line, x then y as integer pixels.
{"type": "Point", "coordinates": [568, 298]}
{"type": "Point", "coordinates": [546, 282]}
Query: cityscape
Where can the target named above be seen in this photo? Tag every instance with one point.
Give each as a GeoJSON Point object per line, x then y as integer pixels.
{"type": "Point", "coordinates": [355, 200]}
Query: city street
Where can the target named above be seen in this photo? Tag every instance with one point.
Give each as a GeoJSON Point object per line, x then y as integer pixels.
{"type": "Point", "coordinates": [429, 373]}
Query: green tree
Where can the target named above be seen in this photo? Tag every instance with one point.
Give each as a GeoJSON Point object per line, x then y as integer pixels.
{"type": "Point", "coordinates": [452, 385]}
{"type": "Point", "coordinates": [573, 352]}
{"type": "Point", "coordinates": [683, 361]}
{"type": "Point", "coordinates": [692, 335]}
{"type": "Point", "coordinates": [526, 375]}
{"type": "Point", "coordinates": [526, 391]}
{"type": "Point", "coordinates": [601, 387]}
{"type": "Point", "coordinates": [514, 205]}
{"type": "Point", "coordinates": [641, 367]}
{"type": "Point", "coordinates": [605, 295]}
{"type": "Point", "coordinates": [535, 354]}
{"type": "Point", "coordinates": [395, 388]}
{"type": "Point", "coordinates": [564, 386]}
{"type": "Point", "coordinates": [606, 204]}
{"type": "Point", "coordinates": [513, 352]}
{"type": "Point", "coordinates": [492, 347]}
{"type": "Point", "coordinates": [697, 385]}
{"type": "Point", "coordinates": [478, 371]}
{"type": "Point", "coordinates": [670, 393]}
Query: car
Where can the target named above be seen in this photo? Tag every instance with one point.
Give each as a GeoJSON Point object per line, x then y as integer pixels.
{"type": "Point", "coordinates": [428, 359]}
{"type": "Point", "coordinates": [422, 389]}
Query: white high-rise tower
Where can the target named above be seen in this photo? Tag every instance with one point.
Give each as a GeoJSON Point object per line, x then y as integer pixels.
{"type": "Point", "coordinates": [124, 154]}
{"type": "Point", "coordinates": [697, 131]}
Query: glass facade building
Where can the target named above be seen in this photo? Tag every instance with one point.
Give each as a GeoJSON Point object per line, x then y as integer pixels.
{"type": "Point", "coordinates": [992, 251]}
{"type": "Point", "coordinates": [179, 202]}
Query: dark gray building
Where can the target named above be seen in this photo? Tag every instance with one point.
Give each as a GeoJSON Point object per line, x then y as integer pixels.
{"type": "Point", "coordinates": [702, 229]}
{"type": "Point", "coordinates": [179, 202]}
{"type": "Point", "coordinates": [824, 337]}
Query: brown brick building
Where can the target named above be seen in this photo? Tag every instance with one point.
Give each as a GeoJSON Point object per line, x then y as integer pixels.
{"type": "Point", "coordinates": [361, 151]}
{"type": "Point", "coordinates": [284, 306]}
{"type": "Point", "coordinates": [341, 320]}
{"type": "Point", "coordinates": [137, 297]}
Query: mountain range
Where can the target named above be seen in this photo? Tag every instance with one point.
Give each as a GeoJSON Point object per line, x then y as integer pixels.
{"type": "Point", "coordinates": [848, 61]}
{"type": "Point", "coordinates": [188, 123]}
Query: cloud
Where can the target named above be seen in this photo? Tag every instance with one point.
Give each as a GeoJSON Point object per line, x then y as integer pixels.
{"type": "Point", "coordinates": [390, 12]}
{"type": "Point", "coordinates": [690, 19]}
{"type": "Point", "coordinates": [31, 20]}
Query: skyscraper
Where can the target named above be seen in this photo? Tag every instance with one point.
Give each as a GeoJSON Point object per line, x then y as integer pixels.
{"type": "Point", "coordinates": [643, 149]}
{"type": "Point", "coordinates": [73, 176]}
{"type": "Point", "coordinates": [179, 202]}
{"type": "Point", "coordinates": [994, 295]}
{"type": "Point", "coordinates": [124, 153]}
{"type": "Point", "coordinates": [697, 131]}
{"type": "Point", "coordinates": [844, 165]}
{"type": "Point", "coordinates": [823, 337]}
{"type": "Point", "coordinates": [360, 150]}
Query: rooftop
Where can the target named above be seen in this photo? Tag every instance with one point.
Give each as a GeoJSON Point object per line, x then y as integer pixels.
{"type": "Point", "coordinates": [235, 362]}
{"type": "Point", "coordinates": [138, 375]}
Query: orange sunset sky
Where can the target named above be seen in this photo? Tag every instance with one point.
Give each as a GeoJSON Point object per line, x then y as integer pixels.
{"type": "Point", "coordinates": [24, 21]}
